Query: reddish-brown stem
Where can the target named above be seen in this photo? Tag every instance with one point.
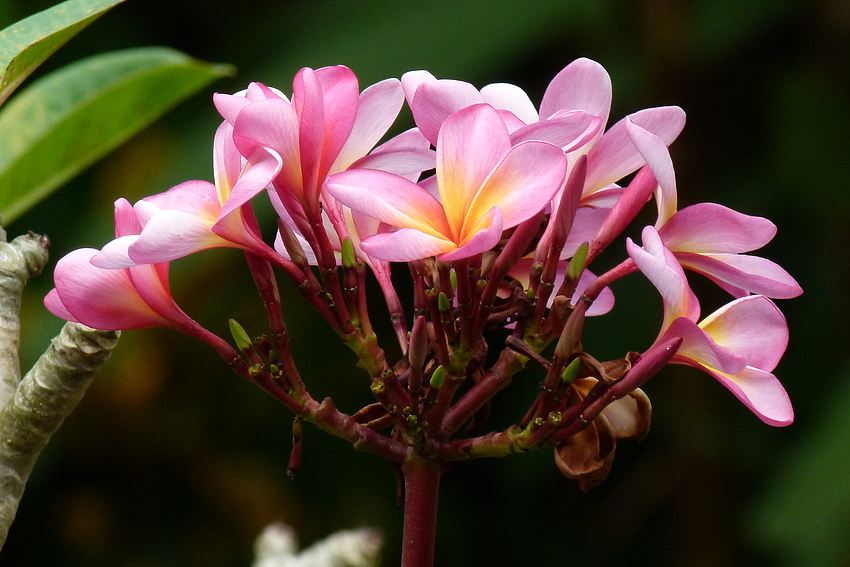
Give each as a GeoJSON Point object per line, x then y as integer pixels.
{"type": "Point", "coordinates": [421, 490]}
{"type": "Point", "coordinates": [338, 424]}
{"type": "Point", "coordinates": [495, 380]}
{"type": "Point", "coordinates": [624, 268]}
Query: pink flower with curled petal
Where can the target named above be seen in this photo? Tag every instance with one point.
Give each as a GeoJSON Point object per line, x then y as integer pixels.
{"type": "Point", "coordinates": [189, 217]}
{"type": "Point", "coordinates": [485, 186]}
{"type": "Point", "coordinates": [710, 238]}
{"type": "Point", "coordinates": [327, 127]}
{"type": "Point", "coordinates": [739, 344]}
{"type": "Point", "coordinates": [573, 114]}
{"type": "Point", "coordinates": [114, 299]}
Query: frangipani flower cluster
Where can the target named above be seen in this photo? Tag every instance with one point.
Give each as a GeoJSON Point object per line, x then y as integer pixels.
{"type": "Point", "coordinates": [498, 209]}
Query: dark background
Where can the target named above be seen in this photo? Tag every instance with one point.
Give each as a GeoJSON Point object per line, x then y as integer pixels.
{"type": "Point", "coordinates": [171, 460]}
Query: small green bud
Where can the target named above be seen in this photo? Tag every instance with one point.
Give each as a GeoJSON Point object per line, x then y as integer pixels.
{"type": "Point", "coordinates": [255, 370]}
{"type": "Point", "coordinates": [529, 293]}
{"type": "Point", "coordinates": [438, 377]}
{"type": "Point", "coordinates": [443, 302]}
{"type": "Point", "coordinates": [378, 387]}
{"type": "Point", "coordinates": [571, 371]}
{"type": "Point", "coordinates": [349, 260]}
{"type": "Point", "coordinates": [577, 262]}
{"type": "Point", "coordinates": [411, 420]}
{"type": "Point", "coordinates": [243, 341]}
{"type": "Point", "coordinates": [453, 279]}
{"type": "Point", "coordinates": [273, 369]}
{"type": "Point", "coordinates": [539, 421]}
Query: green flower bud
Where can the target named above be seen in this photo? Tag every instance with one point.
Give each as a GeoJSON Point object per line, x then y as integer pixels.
{"type": "Point", "coordinates": [577, 262]}
{"type": "Point", "coordinates": [443, 302]}
{"type": "Point", "coordinates": [571, 371]}
{"type": "Point", "coordinates": [243, 341]}
{"type": "Point", "coordinates": [438, 377]}
{"type": "Point", "coordinates": [349, 260]}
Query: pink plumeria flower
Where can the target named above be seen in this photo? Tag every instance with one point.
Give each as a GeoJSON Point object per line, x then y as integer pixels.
{"type": "Point", "coordinates": [114, 299]}
{"type": "Point", "coordinates": [189, 217]}
{"type": "Point", "coordinates": [573, 114]}
{"type": "Point", "coordinates": [710, 238]}
{"type": "Point", "coordinates": [485, 185]}
{"type": "Point", "coordinates": [327, 127]}
{"type": "Point", "coordinates": [117, 298]}
{"type": "Point", "coordinates": [739, 344]}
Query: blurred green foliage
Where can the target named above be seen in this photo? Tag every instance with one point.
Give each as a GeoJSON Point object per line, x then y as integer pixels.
{"type": "Point", "coordinates": [171, 460]}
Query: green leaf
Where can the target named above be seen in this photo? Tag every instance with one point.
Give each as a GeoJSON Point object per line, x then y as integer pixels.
{"type": "Point", "coordinates": [68, 119]}
{"type": "Point", "coordinates": [26, 44]}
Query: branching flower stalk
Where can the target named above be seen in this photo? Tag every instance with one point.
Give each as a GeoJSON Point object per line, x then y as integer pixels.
{"type": "Point", "coordinates": [501, 236]}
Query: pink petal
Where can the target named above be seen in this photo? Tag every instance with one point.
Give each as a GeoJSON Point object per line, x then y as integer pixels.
{"type": "Point", "coordinates": [407, 162]}
{"type": "Point", "coordinates": [435, 101]}
{"type": "Point", "coordinates": [581, 85]}
{"type": "Point", "coordinates": [504, 96]}
{"type": "Point", "coordinates": [601, 305]}
{"type": "Point", "coordinates": [115, 254]}
{"type": "Point", "coordinates": [272, 124]}
{"type": "Point", "coordinates": [654, 152]}
{"type": "Point", "coordinates": [749, 274]}
{"type": "Point", "coordinates": [569, 131]}
{"type": "Point", "coordinates": [699, 348]}
{"type": "Point", "coordinates": [229, 105]}
{"type": "Point", "coordinates": [378, 107]}
{"type": "Point", "coordinates": [708, 228]}
{"type": "Point", "coordinates": [753, 328]}
{"type": "Point", "coordinates": [390, 199]}
{"type": "Point", "coordinates": [405, 245]}
{"type": "Point", "coordinates": [614, 156]}
{"type": "Point", "coordinates": [227, 162]}
{"type": "Point", "coordinates": [410, 82]}
{"type": "Point", "coordinates": [259, 171]}
{"type": "Point", "coordinates": [173, 234]}
{"type": "Point", "coordinates": [472, 142]}
{"type": "Point", "coordinates": [341, 99]}
{"type": "Point", "coordinates": [662, 269]}
{"type": "Point", "coordinates": [197, 198]}
{"type": "Point", "coordinates": [521, 185]}
{"type": "Point", "coordinates": [54, 304]}
{"type": "Point", "coordinates": [102, 299]}
{"type": "Point", "coordinates": [762, 393]}
{"type": "Point", "coordinates": [126, 220]}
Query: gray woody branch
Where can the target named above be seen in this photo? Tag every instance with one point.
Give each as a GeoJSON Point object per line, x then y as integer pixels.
{"type": "Point", "coordinates": [34, 408]}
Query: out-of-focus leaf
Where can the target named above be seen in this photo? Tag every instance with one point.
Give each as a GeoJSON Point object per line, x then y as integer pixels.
{"type": "Point", "coordinates": [68, 119]}
{"type": "Point", "coordinates": [26, 44]}
{"type": "Point", "coordinates": [802, 518]}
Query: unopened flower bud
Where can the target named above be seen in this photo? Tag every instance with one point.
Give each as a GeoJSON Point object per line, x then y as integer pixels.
{"type": "Point", "coordinates": [570, 373]}
{"type": "Point", "coordinates": [349, 259]}
{"type": "Point", "coordinates": [243, 341]}
{"type": "Point", "coordinates": [438, 377]}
